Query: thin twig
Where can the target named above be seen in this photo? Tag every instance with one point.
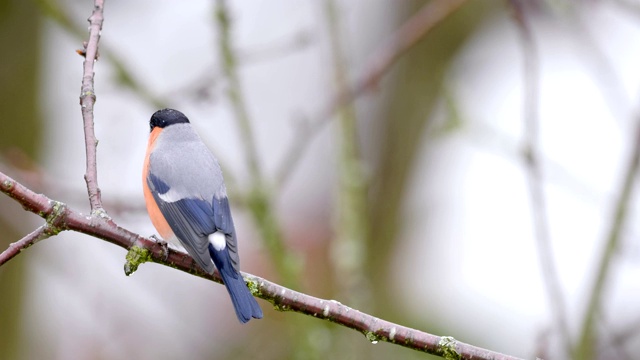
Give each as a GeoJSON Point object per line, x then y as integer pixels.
{"type": "Point", "coordinates": [534, 173]}
{"type": "Point", "coordinates": [402, 40]}
{"type": "Point", "coordinates": [87, 100]}
{"type": "Point", "coordinates": [588, 341]}
{"type": "Point", "coordinates": [15, 248]}
{"type": "Point", "coordinates": [141, 250]}
{"type": "Point", "coordinates": [125, 77]}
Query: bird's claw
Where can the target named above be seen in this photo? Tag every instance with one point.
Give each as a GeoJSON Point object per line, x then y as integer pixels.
{"type": "Point", "coordinates": [163, 244]}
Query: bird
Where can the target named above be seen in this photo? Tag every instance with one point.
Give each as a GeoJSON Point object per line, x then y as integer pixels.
{"type": "Point", "coordinates": [187, 202]}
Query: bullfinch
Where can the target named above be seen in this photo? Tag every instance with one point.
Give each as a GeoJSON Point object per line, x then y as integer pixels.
{"type": "Point", "coordinates": [187, 201]}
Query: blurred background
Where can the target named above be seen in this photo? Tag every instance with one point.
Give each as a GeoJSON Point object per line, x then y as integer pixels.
{"type": "Point", "coordinates": [477, 190]}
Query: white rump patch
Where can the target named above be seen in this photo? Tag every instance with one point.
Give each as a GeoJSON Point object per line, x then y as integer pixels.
{"type": "Point", "coordinates": [218, 240]}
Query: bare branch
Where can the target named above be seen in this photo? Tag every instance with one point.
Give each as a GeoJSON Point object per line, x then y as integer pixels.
{"type": "Point", "coordinates": [15, 248]}
{"type": "Point", "coordinates": [87, 100]}
{"type": "Point", "coordinates": [141, 250]}
{"type": "Point", "coordinates": [534, 172]}
{"type": "Point", "coordinates": [60, 217]}
{"type": "Point", "coordinates": [373, 328]}
{"type": "Point", "coordinates": [406, 37]}
{"type": "Point", "coordinates": [54, 11]}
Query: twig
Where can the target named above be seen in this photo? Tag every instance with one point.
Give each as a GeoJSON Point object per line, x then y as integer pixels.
{"type": "Point", "coordinates": [587, 342]}
{"type": "Point", "coordinates": [407, 36]}
{"type": "Point", "coordinates": [87, 100]}
{"type": "Point", "coordinates": [15, 248]}
{"type": "Point", "coordinates": [140, 250]}
{"type": "Point", "coordinates": [54, 11]}
{"type": "Point", "coordinates": [534, 173]}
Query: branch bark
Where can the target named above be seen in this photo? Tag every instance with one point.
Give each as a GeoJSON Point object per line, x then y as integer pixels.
{"type": "Point", "coordinates": [87, 100]}
{"type": "Point", "coordinates": [15, 248]}
{"type": "Point", "coordinates": [59, 217]}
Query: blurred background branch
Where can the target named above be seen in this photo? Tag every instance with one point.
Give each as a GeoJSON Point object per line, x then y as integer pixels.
{"type": "Point", "coordinates": [532, 161]}
{"type": "Point", "coordinates": [588, 342]}
{"type": "Point", "coordinates": [402, 40]}
{"type": "Point", "coordinates": [259, 197]}
{"type": "Point", "coordinates": [348, 250]}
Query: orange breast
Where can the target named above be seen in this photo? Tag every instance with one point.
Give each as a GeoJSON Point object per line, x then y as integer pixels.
{"type": "Point", "coordinates": [157, 219]}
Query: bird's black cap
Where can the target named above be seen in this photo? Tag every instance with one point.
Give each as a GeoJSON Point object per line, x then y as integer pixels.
{"type": "Point", "coordinates": [165, 117]}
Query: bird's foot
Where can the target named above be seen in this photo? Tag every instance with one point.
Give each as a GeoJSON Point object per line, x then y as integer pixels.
{"type": "Point", "coordinates": [164, 245]}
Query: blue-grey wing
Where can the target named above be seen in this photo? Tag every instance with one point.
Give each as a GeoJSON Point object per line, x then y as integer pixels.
{"type": "Point", "coordinates": [192, 221]}
{"type": "Point", "coordinates": [224, 223]}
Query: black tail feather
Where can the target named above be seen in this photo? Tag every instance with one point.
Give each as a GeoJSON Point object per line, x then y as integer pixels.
{"type": "Point", "coordinates": [244, 303]}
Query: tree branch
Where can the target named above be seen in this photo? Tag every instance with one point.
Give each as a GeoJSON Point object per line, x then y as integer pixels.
{"type": "Point", "coordinates": [54, 11]}
{"type": "Point", "coordinates": [373, 328]}
{"type": "Point", "coordinates": [87, 100]}
{"type": "Point", "coordinates": [60, 217]}
{"type": "Point", "coordinates": [15, 248]}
